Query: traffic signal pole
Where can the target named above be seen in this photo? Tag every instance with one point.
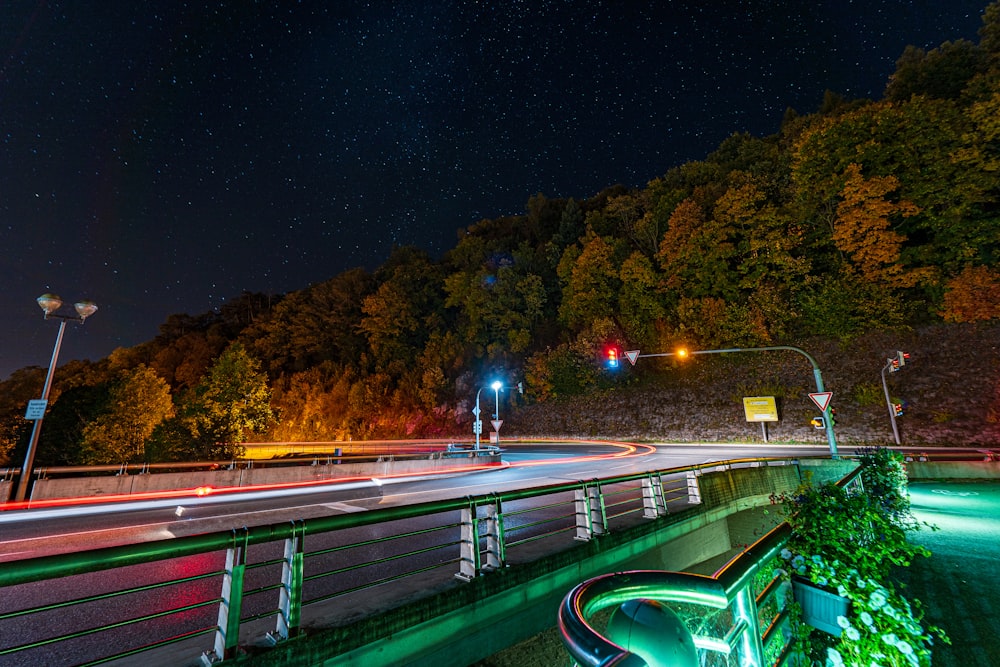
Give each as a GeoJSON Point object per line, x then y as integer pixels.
{"type": "Point", "coordinates": [892, 365]}
{"type": "Point", "coordinates": [817, 375]}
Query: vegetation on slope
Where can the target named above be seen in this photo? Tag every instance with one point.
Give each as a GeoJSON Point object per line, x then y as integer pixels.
{"type": "Point", "coordinates": [863, 216]}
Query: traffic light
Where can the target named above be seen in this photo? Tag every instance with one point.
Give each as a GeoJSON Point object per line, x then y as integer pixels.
{"type": "Point", "coordinates": [898, 409]}
{"type": "Point", "coordinates": [818, 422]}
{"type": "Point", "coordinates": [612, 357]}
{"type": "Point", "coordinates": [899, 361]}
{"type": "Point", "coordinates": [682, 353]}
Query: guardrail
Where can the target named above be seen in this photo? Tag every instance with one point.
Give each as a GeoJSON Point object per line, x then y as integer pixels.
{"type": "Point", "coordinates": [741, 612]}
{"type": "Point", "coordinates": [213, 593]}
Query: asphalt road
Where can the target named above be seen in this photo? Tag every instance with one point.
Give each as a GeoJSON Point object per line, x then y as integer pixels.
{"type": "Point", "coordinates": [37, 532]}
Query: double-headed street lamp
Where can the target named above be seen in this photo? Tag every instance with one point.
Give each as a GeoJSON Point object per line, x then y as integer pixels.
{"type": "Point", "coordinates": [49, 303]}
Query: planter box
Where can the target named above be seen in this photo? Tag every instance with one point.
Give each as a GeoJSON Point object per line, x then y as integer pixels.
{"type": "Point", "coordinates": [820, 608]}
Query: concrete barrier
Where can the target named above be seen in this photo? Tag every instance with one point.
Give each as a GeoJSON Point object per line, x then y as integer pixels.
{"type": "Point", "coordinates": [82, 487]}
{"type": "Point", "coordinates": [918, 470]}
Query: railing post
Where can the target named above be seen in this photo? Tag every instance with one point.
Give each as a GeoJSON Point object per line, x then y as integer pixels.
{"type": "Point", "coordinates": [469, 543]}
{"type": "Point", "coordinates": [653, 504]}
{"type": "Point", "coordinates": [290, 595]}
{"type": "Point", "coordinates": [584, 530]}
{"type": "Point", "coordinates": [751, 648]}
{"type": "Point", "coordinates": [227, 630]}
{"type": "Point", "coordinates": [694, 491]}
{"type": "Point", "coordinates": [598, 513]}
{"type": "Point", "coordinates": [496, 556]}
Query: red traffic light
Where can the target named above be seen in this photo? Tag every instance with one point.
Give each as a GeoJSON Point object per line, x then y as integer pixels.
{"type": "Point", "coordinates": [612, 357]}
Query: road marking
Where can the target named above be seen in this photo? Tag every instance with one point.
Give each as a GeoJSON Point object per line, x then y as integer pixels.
{"type": "Point", "coordinates": [948, 492]}
{"type": "Point", "coordinates": [344, 507]}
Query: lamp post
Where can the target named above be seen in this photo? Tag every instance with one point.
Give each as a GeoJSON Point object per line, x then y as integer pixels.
{"type": "Point", "coordinates": [817, 376]}
{"type": "Point", "coordinates": [477, 426]}
{"type": "Point", "coordinates": [496, 415]}
{"type": "Point", "coordinates": [48, 303]}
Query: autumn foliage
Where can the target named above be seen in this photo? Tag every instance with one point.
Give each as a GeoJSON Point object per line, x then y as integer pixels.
{"type": "Point", "coordinates": [864, 214]}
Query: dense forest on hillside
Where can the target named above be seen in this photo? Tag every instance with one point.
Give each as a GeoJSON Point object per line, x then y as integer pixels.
{"type": "Point", "coordinates": [863, 215]}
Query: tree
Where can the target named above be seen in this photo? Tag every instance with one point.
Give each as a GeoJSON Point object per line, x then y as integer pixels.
{"type": "Point", "coordinates": [137, 403]}
{"type": "Point", "coordinates": [640, 302]}
{"type": "Point", "coordinates": [231, 402]}
{"type": "Point", "coordinates": [317, 324]}
{"type": "Point", "coordinates": [696, 253]}
{"type": "Point", "coordinates": [863, 229]}
{"type": "Point", "coordinates": [405, 308]}
{"type": "Point", "coordinates": [590, 283]}
{"type": "Point", "coordinates": [940, 73]}
{"type": "Point", "coordinates": [972, 295]}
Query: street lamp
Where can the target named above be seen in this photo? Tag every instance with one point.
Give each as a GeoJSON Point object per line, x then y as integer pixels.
{"type": "Point", "coordinates": [477, 426]}
{"type": "Point", "coordinates": [496, 392]}
{"type": "Point", "coordinates": [49, 303]}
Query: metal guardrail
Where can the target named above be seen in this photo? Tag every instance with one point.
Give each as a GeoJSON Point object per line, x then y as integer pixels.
{"type": "Point", "coordinates": [216, 590]}
{"type": "Point", "coordinates": [739, 616]}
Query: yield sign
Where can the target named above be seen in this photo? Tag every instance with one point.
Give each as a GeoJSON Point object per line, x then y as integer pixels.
{"type": "Point", "coordinates": [822, 399]}
{"type": "Point", "coordinates": [632, 355]}
{"type": "Point", "coordinates": [497, 423]}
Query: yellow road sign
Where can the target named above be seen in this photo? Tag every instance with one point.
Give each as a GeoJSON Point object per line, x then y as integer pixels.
{"type": "Point", "coordinates": [760, 408]}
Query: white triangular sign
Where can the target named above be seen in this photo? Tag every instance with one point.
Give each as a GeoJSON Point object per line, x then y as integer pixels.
{"type": "Point", "coordinates": [822, 399]}
{"type": "Point", "coordinates": [632, 355]}
{"type": "Point", "coordinates": [497, 423]}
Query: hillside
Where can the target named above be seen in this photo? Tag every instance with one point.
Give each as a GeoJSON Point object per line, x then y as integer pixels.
{"type": "Point", "coordinates": [950, 388]}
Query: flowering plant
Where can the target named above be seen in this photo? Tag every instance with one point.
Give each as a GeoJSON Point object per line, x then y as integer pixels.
{"type": "Point", "coordinates": [865, 527]}
{"type": "Point", "coordinates": [882, 628]}
{"type": "Point", "coordinates": [848, 541]}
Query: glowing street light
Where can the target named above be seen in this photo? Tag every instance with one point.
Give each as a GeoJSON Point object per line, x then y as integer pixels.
{"type": "Point", "coordinates": [477, 426]}
{"type": "Point", "coordinates": [497, 386]}
{"type": "Point", "coordinates": [49, 303]}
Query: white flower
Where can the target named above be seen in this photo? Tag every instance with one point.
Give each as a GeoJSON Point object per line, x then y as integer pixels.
{"type": "Point", "coordinates": [833, 658]}
{"type": "Point", "coordinates": [904, 648]}
{"type": "Point", "coordinates": [877, 599]}
{"type": "Point", "coordinates": [866, 618]}
{"type": "Point", "coordinates": [890, 639]}
{"type": "Point", "coordinates": [852, 634]}
{"type": "Point", "coordinates": [786, 554]}
{"type": "Point", "coordinates": [843, 622]}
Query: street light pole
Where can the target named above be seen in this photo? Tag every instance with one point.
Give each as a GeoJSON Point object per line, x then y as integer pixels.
{"type": "Point", "coordinates": [477, 426]}
{"type": "Point", "coordinates": [496, 415]}
{"type": "Point", "coordinates": [49, 303]}
{"type": "Point", "coordinates": [817, 377]}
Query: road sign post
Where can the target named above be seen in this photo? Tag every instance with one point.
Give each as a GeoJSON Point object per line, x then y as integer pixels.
{"type": "Point", "coordinates": [761, 409]}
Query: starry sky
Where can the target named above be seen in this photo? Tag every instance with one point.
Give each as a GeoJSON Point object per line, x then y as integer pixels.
{"type": "Point", "coordinates": [163, 156]}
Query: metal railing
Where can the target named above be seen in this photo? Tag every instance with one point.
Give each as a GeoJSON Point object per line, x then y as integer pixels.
{"type": "Point", "coordinates": [210, 594]}
{"type": "Point", "coordinates": [738, 617]}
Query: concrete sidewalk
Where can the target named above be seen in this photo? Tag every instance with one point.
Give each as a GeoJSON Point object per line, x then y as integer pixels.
{"type": "Point", "coordinates": [958, 586]}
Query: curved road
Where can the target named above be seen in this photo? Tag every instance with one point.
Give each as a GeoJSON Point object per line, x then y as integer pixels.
{"type": "Point", "coordinates": [44, 531]}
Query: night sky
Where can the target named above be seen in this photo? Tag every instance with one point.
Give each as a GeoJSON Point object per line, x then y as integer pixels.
{"type": "Point", "coordinates": [162, 157]}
